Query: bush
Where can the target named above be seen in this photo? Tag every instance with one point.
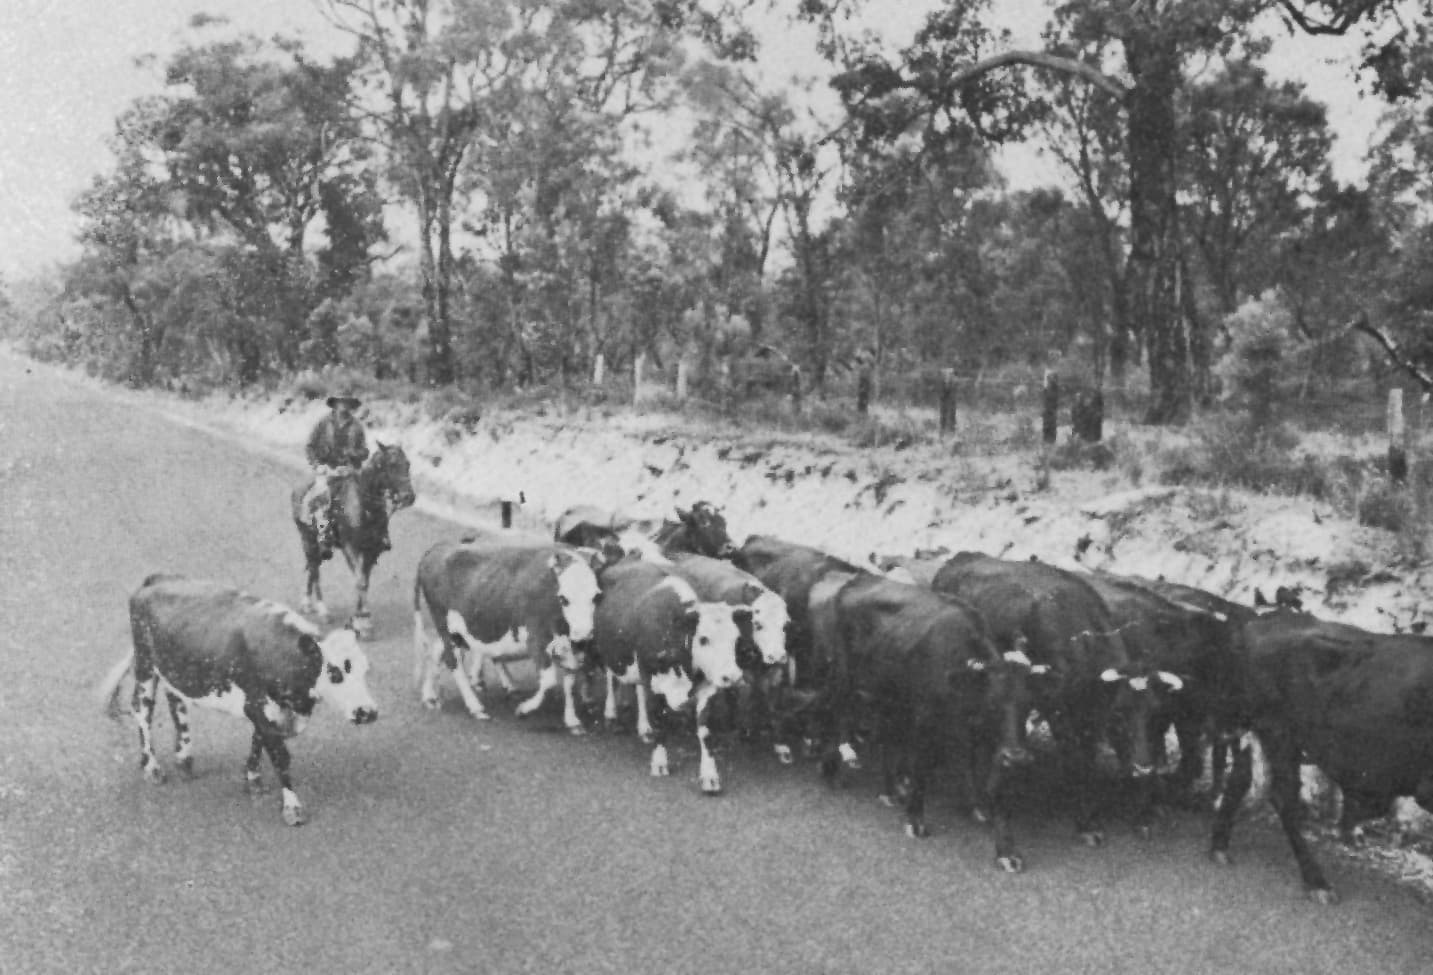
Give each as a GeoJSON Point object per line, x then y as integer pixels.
{"type": "Point", "coordinates": [1265, 361]}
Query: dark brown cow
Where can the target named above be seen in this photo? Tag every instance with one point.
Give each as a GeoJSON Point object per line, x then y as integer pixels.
{"type": "Point", "coordinates": [700, 529]}
{"type": "Point", "coordinates": [1358, 705]}
{"type": "Point", "coordinates": [1095, 687]}
{"type": "Point", "coordinates": [930, 673]}
{"type": "Point", "coordinates": [205, 643]}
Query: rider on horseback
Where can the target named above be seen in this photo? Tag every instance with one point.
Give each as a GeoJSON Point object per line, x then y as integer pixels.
{"type": "Point", "coordinates": [336, 449]}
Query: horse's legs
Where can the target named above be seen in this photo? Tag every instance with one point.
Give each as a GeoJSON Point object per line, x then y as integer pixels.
{"type": "Point", "coordinates": [362, 621]}
{"type": "Point", "coordinates": [313, 593]}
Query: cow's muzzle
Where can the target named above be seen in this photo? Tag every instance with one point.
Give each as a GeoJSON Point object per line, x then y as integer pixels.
{"type": "Point", "coordinates": [365, 715]}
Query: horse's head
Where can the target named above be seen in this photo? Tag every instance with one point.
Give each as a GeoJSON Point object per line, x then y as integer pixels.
{"type": "Point", "coordinates": [388, 473]}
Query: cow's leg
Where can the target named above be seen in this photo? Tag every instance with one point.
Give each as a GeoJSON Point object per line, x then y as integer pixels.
{"type": "Point", "coordinates": [644, 721]}
{"type": "Point", "coordinates": [996, 789]}
{"type": "Point", "coordinates": [1077, 740]}
{"type": "Point", "coordinates": [1358, 807]}
{"type": "Point", "coordinates": [708, 775]}
{"type": "Point", "coordinates": [1282, 756]}
{"type": "Point", "coordinates": [505, 677]}
{"type": "Point", "coordinates": [429, 655]}
{"type": "Point", "coordinates": [146, 690]}
{"type": "Point", "coordinates": [312, 603]}
{"type": "Point", "coordinates": [183, 741]}
{"type": "Point", "coordinates": [656, 735]}
{"type": "Point", "coordinates": [253, 780]}
{"type": "Point", "coordinates": [273, 743]}
{"type": "Point", "coordinates": [1230, 798]}
{"type": "Point", "coordinates": [465, 690]}
{"type": "Point", "coordinates": [569, 704]}
{"type": "Point", "coordinates": [922, 766]}
{"type": "Point", "coordinates": [547, 678]}
{"type": "Point", "coordinates": [609, 702]}
{"type": "Point", "coordinates": [1183, 783]}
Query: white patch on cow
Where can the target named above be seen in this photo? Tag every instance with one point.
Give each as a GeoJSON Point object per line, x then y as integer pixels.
{"type": "Point", "coordinates": [768, 626]}
{"type": "Point", "coordinates": [230, 701]}
{"type": "Point", "coordinates": [547, 679]}
{"type": "Point", "coordinates": [1172, 681]}
{"type": "Point", "coordinates": [707, 775]}
{"type": "Point", "coordinates": [1110, 676]}
{"type": "Point", "coordinates": [714, 644]}
{"type": "Point", "coordinates": [569, 703]}
{"type": "Point", "coordinates": [635, 543]}
{"type": "Point", "coordinates": [629, 675]}
{"type": "Point", "coordinates": [644, 719]}
{"type": "Point", "coordinates": [674, 686]}
{"type": "Point", "coordinates": [287, 616]}
{"type": "Point", "coordinates": [1139, 683]}
{"type": "Point", "coordinates": [681, 587]}
{"type": "Point", "coordinates": [343, 682]}
{"type": "Point", "coordinates": [286, 720]}
{"type": "Point", "coordinates": [577, 591]}
{"type": "Point", "coordinates": [659, 761]}
{"type": "Point", "coordinates": [848, 754]}
{"type": "Point", "coordinates": [609, 703]}
{"type": "Point", "coordinates": [1017, 657]}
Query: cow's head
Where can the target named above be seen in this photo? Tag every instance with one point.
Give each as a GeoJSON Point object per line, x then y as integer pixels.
{"type": "Point", "coordinates": [1006, 682]}
{"type": "Point", "coordinates": [577, 595]}
{"type": "Point", "coordinates": [714, 634]}
{"type": "Point", "coordinates": [706, 530]}
{"type": "Point", "coordinates": [343, 681]}
{"type": "Point", "coordinates": [1139, 692]}
{"type": "Point", "coordinates": [769, 621]}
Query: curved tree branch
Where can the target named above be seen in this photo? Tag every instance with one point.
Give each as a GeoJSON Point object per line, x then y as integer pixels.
{"type": "Point", "coordinates": [1039, 59]}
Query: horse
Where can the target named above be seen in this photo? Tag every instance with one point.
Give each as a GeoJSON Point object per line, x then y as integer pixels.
{"type": "Point", "coordinates": [366, 501]}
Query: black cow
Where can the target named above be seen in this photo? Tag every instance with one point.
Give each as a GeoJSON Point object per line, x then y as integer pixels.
{"type": "Point", "coordinates": [1358, 705]}
{"type": "Point", "coordinates": [202, 642]}
{"type": "Point", "coordinates": [503, 596]}
{"type": "Point", "coordinates": [1189, 649]}
{"type": "Point", "coordinates": [928, 671]}
{"type": "Point", "coordinates": [700, 529]}
{"type": "Point", "coordinates": [653, 632]}
{"type": "Point", "coordinates": [790, 570]}
{"type": "Point", "coordinates": [1095, 687]}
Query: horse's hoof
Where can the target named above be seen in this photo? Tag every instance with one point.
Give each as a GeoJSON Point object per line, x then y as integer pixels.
{"type": "Point", "coordinates": [154, 775]}
{"type": "Point", "coordinates": [431, 703]}
{"type": "Point", "coordinates": [254, 786]}
{"type": "Point", "coordinates": [294, 815]}
{"type": "Point", "coordinates": [711, 785]}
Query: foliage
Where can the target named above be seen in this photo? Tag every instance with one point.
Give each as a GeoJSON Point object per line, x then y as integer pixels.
{"type": "Point", "coordinates": [1265, 362]}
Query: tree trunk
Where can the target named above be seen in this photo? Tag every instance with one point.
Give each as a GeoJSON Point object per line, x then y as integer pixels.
{"type": "Point", "coordinates": [440, 333]}
{"type": "Point", "coordinates": [1153, 63]}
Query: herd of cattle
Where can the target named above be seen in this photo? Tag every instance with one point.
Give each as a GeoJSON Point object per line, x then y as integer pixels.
{"type": "Point", "coordinates": [924, 660]}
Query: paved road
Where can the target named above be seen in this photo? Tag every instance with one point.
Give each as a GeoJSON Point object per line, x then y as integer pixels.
{"type": "Point", "coordinates": [439, 844]}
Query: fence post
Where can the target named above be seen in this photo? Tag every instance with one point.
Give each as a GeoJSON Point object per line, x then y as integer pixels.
{"type": "Point", "coordinates": [681, 380]}
{"type": "Point", "coordinates": [947, 400]}
{"type": "Point", "coordinates": [1397, 440]}
{"type": "Point", "coordinates": [1051, 412]}
{"type": "Point", "coordinates": [638, 367]}
{"type": "Point", "coordinates": [507, 514]}
{"type": "Point", "coordinates": [599, 369]}
{"type": "Point", "coordinates": [863, 390]}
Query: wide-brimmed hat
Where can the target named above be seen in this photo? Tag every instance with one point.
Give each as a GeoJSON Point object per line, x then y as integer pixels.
{"type": "Point", "coordinates": [353, 401]}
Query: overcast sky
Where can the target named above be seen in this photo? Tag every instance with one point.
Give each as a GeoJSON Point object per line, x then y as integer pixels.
{"type": "Point", "coordinates": [68, 67]}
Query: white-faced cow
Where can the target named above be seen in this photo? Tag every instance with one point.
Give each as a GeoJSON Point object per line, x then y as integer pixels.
{"type": "Point", "coordinates": [928, 669]}
{"type": "Point", "coordinates": [1095, 687]}
{"type": "Point", "coordinates": [204, 643]}
{"type": "Point", "coordinates": [653, 632]}
{"type": "Point", "coordinates": [504, 596]}
{"type": "Point", "coordinates": [1358, 705]}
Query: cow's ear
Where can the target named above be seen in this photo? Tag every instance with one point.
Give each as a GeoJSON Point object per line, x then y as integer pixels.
{"type": "Point", "coordinates": [684, 514]}
{"type": "Point", "coordinates": [741, 615]}
{"type": "Point", "coordinates": [381, 444]}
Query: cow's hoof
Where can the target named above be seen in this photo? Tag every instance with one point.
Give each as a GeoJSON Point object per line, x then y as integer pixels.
{"type": "Point", "coordinates": [431, 703]}
{"type": "Point", "coordinates": [255, 786]}
{"type": "Point", "coordinates": [1221, 857]}
{"type": "Point", "coordinates": [1323, 895]}
{"type": "Point", "coordinates": [646, 737]}
{"type": "Point", "coordinates": [481, 716]}
{"type": "Point", "coordinates": [1014, 863]}
{"type": "Point", "coordinates": [295, 815]}
{"type": "Point", "coordinates": [886, 800]}
{"type": "Point", "coordinates": [185, 767]}
{"type": "Point", "coordinates": [711, 785]}
{"type": "Point", "coordinates": [659, 769]}
{"type": "Point", "coordinates": [154, 775]}
{"type": "Point", "coordinates": [576, 730]}
{"type": "Point", "coordinates": [917, 831]}
{"type": "Point", "coordinates": [783, 754]}
{"type": "Point", "coordinates": [362, 625]}
{"type": "Point", "coordinates": [1092, 837]}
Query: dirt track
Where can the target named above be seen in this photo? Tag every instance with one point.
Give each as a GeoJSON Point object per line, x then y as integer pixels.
{"type": "Point", "coordinates": [441, 844]}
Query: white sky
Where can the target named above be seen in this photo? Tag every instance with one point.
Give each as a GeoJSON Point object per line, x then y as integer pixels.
{"type": "Point", "coordinates": [67, 68]}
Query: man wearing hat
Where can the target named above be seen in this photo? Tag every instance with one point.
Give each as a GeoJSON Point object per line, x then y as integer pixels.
{"type": "Point", "coordinates": [336, 445]}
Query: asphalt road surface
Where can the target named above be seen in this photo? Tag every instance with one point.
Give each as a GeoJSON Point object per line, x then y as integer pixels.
{"type": "Point", "coordinates": [441, 844]}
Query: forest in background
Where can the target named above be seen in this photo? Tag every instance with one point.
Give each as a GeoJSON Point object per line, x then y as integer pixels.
{"type": "Point", "coordinates": [483, 196]}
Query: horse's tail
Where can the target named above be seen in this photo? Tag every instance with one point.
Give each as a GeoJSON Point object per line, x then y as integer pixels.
{"type": "Point", "coordinates": [107, 693]}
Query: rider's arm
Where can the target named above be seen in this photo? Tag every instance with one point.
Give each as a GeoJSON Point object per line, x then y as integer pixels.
{"type": "Point", "coordinates": [358, 446]}
{"type": "Point", "coordinates": [315, 450]}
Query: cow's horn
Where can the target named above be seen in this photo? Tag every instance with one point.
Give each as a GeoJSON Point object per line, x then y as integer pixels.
{"type": "Point", "coordinates": [1172, 681]}
{"type": "Point", "coordinates": [1110, 676]}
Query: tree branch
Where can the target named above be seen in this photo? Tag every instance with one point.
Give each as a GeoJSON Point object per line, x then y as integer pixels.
{"type": "Point", "coordinates": [1040, 59]}
{"type": "Point", "coordinates": [1394, 350]}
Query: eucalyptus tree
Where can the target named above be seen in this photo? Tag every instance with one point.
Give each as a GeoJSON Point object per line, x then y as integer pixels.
{"type": "Point", "coordinates": [956, 65]}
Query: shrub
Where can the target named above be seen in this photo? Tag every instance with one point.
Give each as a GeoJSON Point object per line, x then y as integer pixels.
{"type": "Point", "coordinates": [1265, 361]}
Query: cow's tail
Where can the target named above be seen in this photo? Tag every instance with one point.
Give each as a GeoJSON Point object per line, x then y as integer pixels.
{"type": "Point", "coordinates": [107, 694]}
{"type": "Point", "coordinates": [420, 652]}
